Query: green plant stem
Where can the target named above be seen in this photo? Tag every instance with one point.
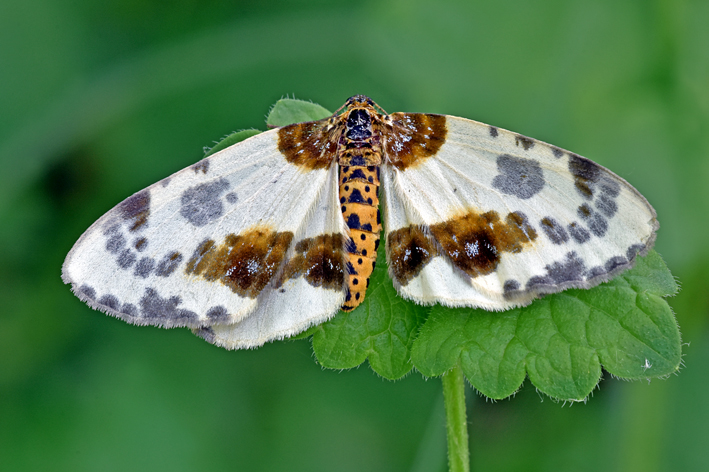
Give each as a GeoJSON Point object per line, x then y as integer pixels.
{"type": "Point", "coordinates": [456, 420]}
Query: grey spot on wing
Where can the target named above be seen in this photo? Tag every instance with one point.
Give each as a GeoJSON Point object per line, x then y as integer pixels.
{"type": "Point", "coordinates": [571, 269]}
{"type": "Point", "coordinates": [202, 165]}
{"type": "Point", "coordinates": [165, 182]}
{"type": "Point", "coordinates": [87, 291]}
{"type": "Point", "coordinates": [583, 168]}
{"type": "Point", "coordinates": [520, 177]}
{"type": "Point", "coordinates": [557, 152]}
{"type": "Point", "coordinates": [110, 301]}
{"type": "Point", "coordinates": [129, 309]}
{"type": "Point", "coordinates": [168, 264]}
{"type": "Point", "coordinates": [165, 311]}
{"type": "Point", "coordinates": [232, 198]}
{"type": "Point", "coordinates": [202, 204]}
{"type": "Point", "coordinates": [606, 205]}
{"type": "Point", "coordinates": [136, 209]}
{"type": "Point", "coordinates": [634, 250]}
{"type": "Point", "coordinates": [509, 289]}
{"type": "Point", "coordinates": [218, 314]}
{"type": "Point", "coordinates": [140, 244]}
{"type": "Point", "coordinates": [510, 286]}
{"type": "Point", "coordinates": [539, 281]}
{"type": "Point", "coordinates": [554, 231]}
{"type": "Point", "coordinates": [595, 272]}
{"type": "Point", "coordinates": [586, 174]}
{"type": "Point", "coordinates": [595, 222]}
{"type": "Point", "coordinates": [610, 188]}
{"type": "Point", "coordinates": [493, 132]}
{"type": "Point", "coordinates": [115, 243]}
{"type": "Point", "coordinates": [579, 233]}
{"type": "Point", "coordinates": [112, 229]}
{"type": "Point", "coordinates": [615, 262]}
{"type": "Point", "coordinates": [206, 333]}
{"type": "Point", "coordinates": [126, 259]}
{"type": "Point", "coordinates": [526, 142]}
{"type": "Point", "coordinates": [144, 267]}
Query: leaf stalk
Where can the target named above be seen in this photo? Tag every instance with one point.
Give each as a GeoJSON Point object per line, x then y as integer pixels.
{"type": "Point", "coordinates": [456, 420]}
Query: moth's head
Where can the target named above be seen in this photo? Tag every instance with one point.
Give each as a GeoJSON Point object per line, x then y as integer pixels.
{"type": "Point", "coordinates": [359, 101]}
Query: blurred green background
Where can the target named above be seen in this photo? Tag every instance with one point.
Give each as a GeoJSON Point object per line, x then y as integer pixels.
{"type": "Point", "coordinates": [100, 99]}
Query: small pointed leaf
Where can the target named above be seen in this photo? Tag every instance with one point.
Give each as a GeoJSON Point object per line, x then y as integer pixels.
{"type": "Point", "coordinates": [287, 111]}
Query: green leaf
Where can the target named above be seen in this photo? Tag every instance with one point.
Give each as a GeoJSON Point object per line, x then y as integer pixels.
{"type": "Point", "coordinates": [231, 140]}
{"type": "Point", "coordinates": [287, 111]}
{"type": "Point", "coordinates": [381, 329]}
{"type": "Point", "coordinates": [561, 340]}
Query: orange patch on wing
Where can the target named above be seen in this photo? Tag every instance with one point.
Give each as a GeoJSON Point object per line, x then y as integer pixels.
{"type": "Point", "coordinates": [320, 260]}
{"type": "Point", "coordinates": [245, 263]}
{"type": "Point", "coordinates": [413, 137]}
{"type": "Point", "coordinates": [312, 145]}
{"type": "Point", "coordinates": [474, 241]}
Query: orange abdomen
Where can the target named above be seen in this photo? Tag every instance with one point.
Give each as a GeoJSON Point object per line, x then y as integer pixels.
{"type": "Point", "coordinates": [359, 202]}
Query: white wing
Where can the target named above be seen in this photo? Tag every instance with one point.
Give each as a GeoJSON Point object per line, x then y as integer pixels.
{"type": "Point", "coordinates": [493, 219]}
{"type": "Point", "coordinates": [202, 247]}
{"type": "Point", "coordinates": [297, 304]}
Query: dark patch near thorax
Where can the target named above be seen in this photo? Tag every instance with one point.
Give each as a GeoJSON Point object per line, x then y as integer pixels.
{"type": "Point", "coordinates": [413, 137]}
{"type": "Point", "coordinates": [245, 263]}
{"type": "Point", "coordinates": [474, 241]}
{"type": "Point", "coordinates": [136, 209]}
{"type": "Point", "coordinates": [312, 145]}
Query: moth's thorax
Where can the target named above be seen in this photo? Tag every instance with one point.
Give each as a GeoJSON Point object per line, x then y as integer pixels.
{"type": "Point", "coordinates": [360, 143]}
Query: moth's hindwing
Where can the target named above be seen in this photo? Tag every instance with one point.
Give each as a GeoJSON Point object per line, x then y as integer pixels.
{"type": "Point", "coordinates": [308, 290]}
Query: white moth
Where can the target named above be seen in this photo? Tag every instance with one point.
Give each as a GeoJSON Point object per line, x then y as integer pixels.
{"type": "Point", "coordinates": [279, 232]}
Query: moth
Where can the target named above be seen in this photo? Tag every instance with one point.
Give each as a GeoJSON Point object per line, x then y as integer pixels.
{"type": "Point", "coordinates": [280, 232]}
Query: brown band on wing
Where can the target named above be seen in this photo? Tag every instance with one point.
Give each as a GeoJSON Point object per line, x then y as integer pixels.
{"type": "Point", "coordinates": [320, 260]}
{"type": "Point", "coordinates": [311, 145]}
{"type": "Point", "coordinates": [413, 137]}
{"type": "Point", "coordinates": [245, 263]}
{"type": "Point", "coordinates": [409, 252]}
{"type": "Point", "coordinates": [474, 242]}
